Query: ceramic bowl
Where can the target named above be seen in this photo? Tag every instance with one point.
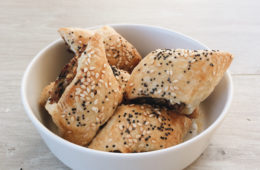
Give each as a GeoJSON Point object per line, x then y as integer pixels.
{"type": "Point", "coordinates": [46, 65]}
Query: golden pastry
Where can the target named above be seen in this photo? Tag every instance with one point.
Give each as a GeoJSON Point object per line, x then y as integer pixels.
{"type": "Point", "coordinates": [178, 78]}
{"type": "Point", "coordinates": [141, 128]}
{"type": "Point", "coordinates": [89, 100]}
{"type": "Point", "coordinates": [119, 51]}
{"type": "Point", "coordinates": [121, 76]}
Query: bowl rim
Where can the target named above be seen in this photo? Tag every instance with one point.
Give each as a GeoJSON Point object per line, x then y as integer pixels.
{"type": "Point", "coordinates": [46, 131]}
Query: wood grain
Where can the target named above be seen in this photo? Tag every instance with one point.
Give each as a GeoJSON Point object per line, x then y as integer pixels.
{"type": "Point", "coordinates": [27, 26]}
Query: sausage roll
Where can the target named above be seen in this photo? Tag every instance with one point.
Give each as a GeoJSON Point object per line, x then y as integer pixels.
{"type": "Point", "coordinates": [119, 51]}
{"type": "Point", "coordinates": [85, 95]}
{"type": "Point", "coordinates": [141, 128]}
{"type": "Point", "coordinates": [178, 78]}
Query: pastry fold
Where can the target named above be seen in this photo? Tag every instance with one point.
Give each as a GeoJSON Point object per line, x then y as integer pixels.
{"type": "Point", "coordinates": [119, 51]}
{"type": "Point", "coordinates": [141, 128]}
{"type": "Point", "coordinates": [85, 95]}
{"type": "Point", "coordinates": [180, 79]}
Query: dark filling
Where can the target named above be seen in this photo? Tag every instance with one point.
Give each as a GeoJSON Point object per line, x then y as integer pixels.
{"type": "Point", "coordinates": [159, 102]}
{"type": "Point", "coordinates": [64, 79]}
{"type": "Point", "coordinates": [116, 151]}
{"type": "Point", "coordinates": [116, 72]}
{"type": "Point", "coordinates": [66, 76]}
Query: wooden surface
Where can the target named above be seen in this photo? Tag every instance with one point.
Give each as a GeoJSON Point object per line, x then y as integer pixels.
{"type": "Point", "coordinates": [26, 26]}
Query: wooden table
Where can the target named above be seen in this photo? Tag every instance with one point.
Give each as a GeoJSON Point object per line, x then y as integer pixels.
{"type": "Point", "coordinates": [29, 25]}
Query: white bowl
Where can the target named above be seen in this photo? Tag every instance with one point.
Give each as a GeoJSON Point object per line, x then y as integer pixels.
{"type": "Point", "coordinates": [48, 62]}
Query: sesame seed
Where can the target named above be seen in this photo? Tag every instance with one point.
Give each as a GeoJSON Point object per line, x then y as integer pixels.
{"type": "Point", "coordinates": [97, 75]}
{"type": "Point", "coordinates": [92, 68]}
{"type": "Point", "coordinates": [83, 86]}
{"type": "Point", "coordinates": [85, 70]}
{"type": "Point", "coordinates": [96, 101]}
{"type": "Point", "coordinates": [95, 109]}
